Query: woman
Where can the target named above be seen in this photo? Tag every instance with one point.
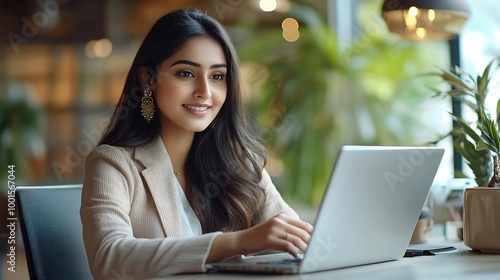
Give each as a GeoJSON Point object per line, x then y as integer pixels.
{"type": "Point", "coordinates": [178, 179]}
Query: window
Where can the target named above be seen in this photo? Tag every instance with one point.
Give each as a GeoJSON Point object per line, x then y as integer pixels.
{"type": "Point", "coordinates": [479, 44]}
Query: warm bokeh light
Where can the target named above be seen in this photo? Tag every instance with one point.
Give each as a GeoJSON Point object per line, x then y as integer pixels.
{"type": "Point", "coordinates": [431, 15]}
{"type": "Point", "coordinates": [98, 48]}
{"type": "Point", "coordinates": [268, 5]}
{"type": "Point", "coordinates": [413, 11]}
{"type": "Point", "coordinates": [420, 32]}
{"type": "Point", "coordinates": [291, 35]}
{"type": "Point", "coordinates": [290, 24]}
{"type": "Point", "coordinates": [410, 22]}
{"type": "Point", "coordinates": [290, 29]}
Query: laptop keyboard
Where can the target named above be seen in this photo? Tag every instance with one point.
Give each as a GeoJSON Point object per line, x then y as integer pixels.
{"type": "Point", "coordinates": [285, 261]}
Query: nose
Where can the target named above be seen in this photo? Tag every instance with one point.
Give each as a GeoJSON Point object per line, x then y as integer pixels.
{"type": "Point", "coordinates": [202, 89]}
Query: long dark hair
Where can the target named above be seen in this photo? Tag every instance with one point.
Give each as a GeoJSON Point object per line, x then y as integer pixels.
{"type": "Point", "coordinates": [224, 165]}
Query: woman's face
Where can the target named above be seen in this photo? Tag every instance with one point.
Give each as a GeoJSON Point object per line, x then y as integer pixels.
{"type": "Point", "coordinates": [191, 86]}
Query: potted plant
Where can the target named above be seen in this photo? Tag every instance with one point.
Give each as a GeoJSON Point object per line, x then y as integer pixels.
{"type": "Point", "coordinates": [479, 143]}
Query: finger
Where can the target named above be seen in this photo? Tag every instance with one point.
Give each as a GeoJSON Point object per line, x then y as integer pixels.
{"type": "Point", "coordinates": [298, 242]}
{"type": "Point", "coordinates": [287, 246]}
{"type": "Point", "coordinates": [292, 226]}
{"type": "Point", "coordinates": [298, 223]}
{"type": "Point", "coordinates": [297, 232]}
{"type": "Point", "coordinates": [286, 241]}
{"type": "Point", "coordinates": [303, 225]}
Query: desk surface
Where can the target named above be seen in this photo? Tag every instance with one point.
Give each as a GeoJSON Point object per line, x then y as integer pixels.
{"type": "Point", "coordinates": [460, 265]}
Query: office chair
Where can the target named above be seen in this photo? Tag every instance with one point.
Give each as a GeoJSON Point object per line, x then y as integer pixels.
{"type": "Point", "coordinates": [52, 232]}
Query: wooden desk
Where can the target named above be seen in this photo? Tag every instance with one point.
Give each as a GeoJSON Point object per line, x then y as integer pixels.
{"type": "Point", "coordinates": [461, 265]}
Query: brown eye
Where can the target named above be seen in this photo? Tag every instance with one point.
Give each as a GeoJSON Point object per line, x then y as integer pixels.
{"type": "Point", "coordinates": [218, 77]}
{"type": "Point", "coordinates": [185, 74]}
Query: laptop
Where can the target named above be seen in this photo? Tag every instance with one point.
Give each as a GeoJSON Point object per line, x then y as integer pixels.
{"type": "Point", "coordinates": [368, 213]}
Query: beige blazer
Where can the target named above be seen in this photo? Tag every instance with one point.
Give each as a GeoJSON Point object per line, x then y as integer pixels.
{"type": "Point", "coordinates": [130, 215]}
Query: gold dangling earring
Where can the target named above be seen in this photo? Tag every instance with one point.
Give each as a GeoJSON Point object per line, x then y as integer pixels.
{"type": "Point", "coordinates": [147, 105]}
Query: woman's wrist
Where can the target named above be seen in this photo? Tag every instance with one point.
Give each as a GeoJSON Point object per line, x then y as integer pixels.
{"type": "Point", "coordinates": [224, 245]}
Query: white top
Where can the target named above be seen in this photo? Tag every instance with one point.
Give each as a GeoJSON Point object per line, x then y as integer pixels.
{"type": "Point", "coordinates": [190, 224]}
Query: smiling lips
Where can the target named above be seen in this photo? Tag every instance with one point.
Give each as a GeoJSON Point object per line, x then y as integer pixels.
{"type": "Point", "coordinates": [197, 110]}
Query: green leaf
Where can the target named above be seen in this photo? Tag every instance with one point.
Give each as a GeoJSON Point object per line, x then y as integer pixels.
{"type": "Point", "coordinates": [470, 104]}
{"type": "Point", "coordinates": [489, 129]}
{"type": "Point", "coordinates": [468, 130]}
{"type": "Point", "coordinates": [486, 146]}
{"type": "Point", "coordinates": [456, 81]}
{"type": "Point", "coordinates": [495, 136]}
{"type": "Point", "coordinates": [498, 112]}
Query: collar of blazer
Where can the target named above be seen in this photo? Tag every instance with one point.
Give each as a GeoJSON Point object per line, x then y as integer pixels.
{"type": "Point", "coordinates": [159, 178]}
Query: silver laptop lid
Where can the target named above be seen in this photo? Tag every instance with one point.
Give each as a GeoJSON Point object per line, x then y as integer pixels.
{"type": "Point", "coordinates": [371, 205]}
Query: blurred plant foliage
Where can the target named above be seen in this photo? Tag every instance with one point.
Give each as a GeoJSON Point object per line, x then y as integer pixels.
{"type": "Point", "coordinates": [21, 130]}
{"type": "Point", "coordinates": [314, 95]}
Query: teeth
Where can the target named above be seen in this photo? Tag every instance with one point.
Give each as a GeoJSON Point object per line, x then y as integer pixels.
{"type": "Point", "coordinates": [199, 109]}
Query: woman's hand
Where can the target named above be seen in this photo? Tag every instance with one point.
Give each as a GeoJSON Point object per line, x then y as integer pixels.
{"type": "Point", "coordinates": [278, 233]}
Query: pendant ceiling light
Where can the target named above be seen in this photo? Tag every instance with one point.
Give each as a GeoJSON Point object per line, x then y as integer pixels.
{"type": "Point", "coordinates": [421, 20]}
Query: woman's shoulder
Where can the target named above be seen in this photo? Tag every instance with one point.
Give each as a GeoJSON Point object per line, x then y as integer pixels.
{"type": "Point", "coordinates": [106, 159]}
{"type": "Point", "coordinates": [109, 153]}
{"type": "Point", "coordinates": [105, 150]}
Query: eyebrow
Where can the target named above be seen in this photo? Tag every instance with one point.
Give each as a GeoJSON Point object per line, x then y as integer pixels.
{"type": "Point", "coordinates": [195, 64]}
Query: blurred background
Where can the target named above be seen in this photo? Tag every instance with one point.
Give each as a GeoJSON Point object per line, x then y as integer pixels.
{"type": "Point", "coordinates": [317, 75]}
